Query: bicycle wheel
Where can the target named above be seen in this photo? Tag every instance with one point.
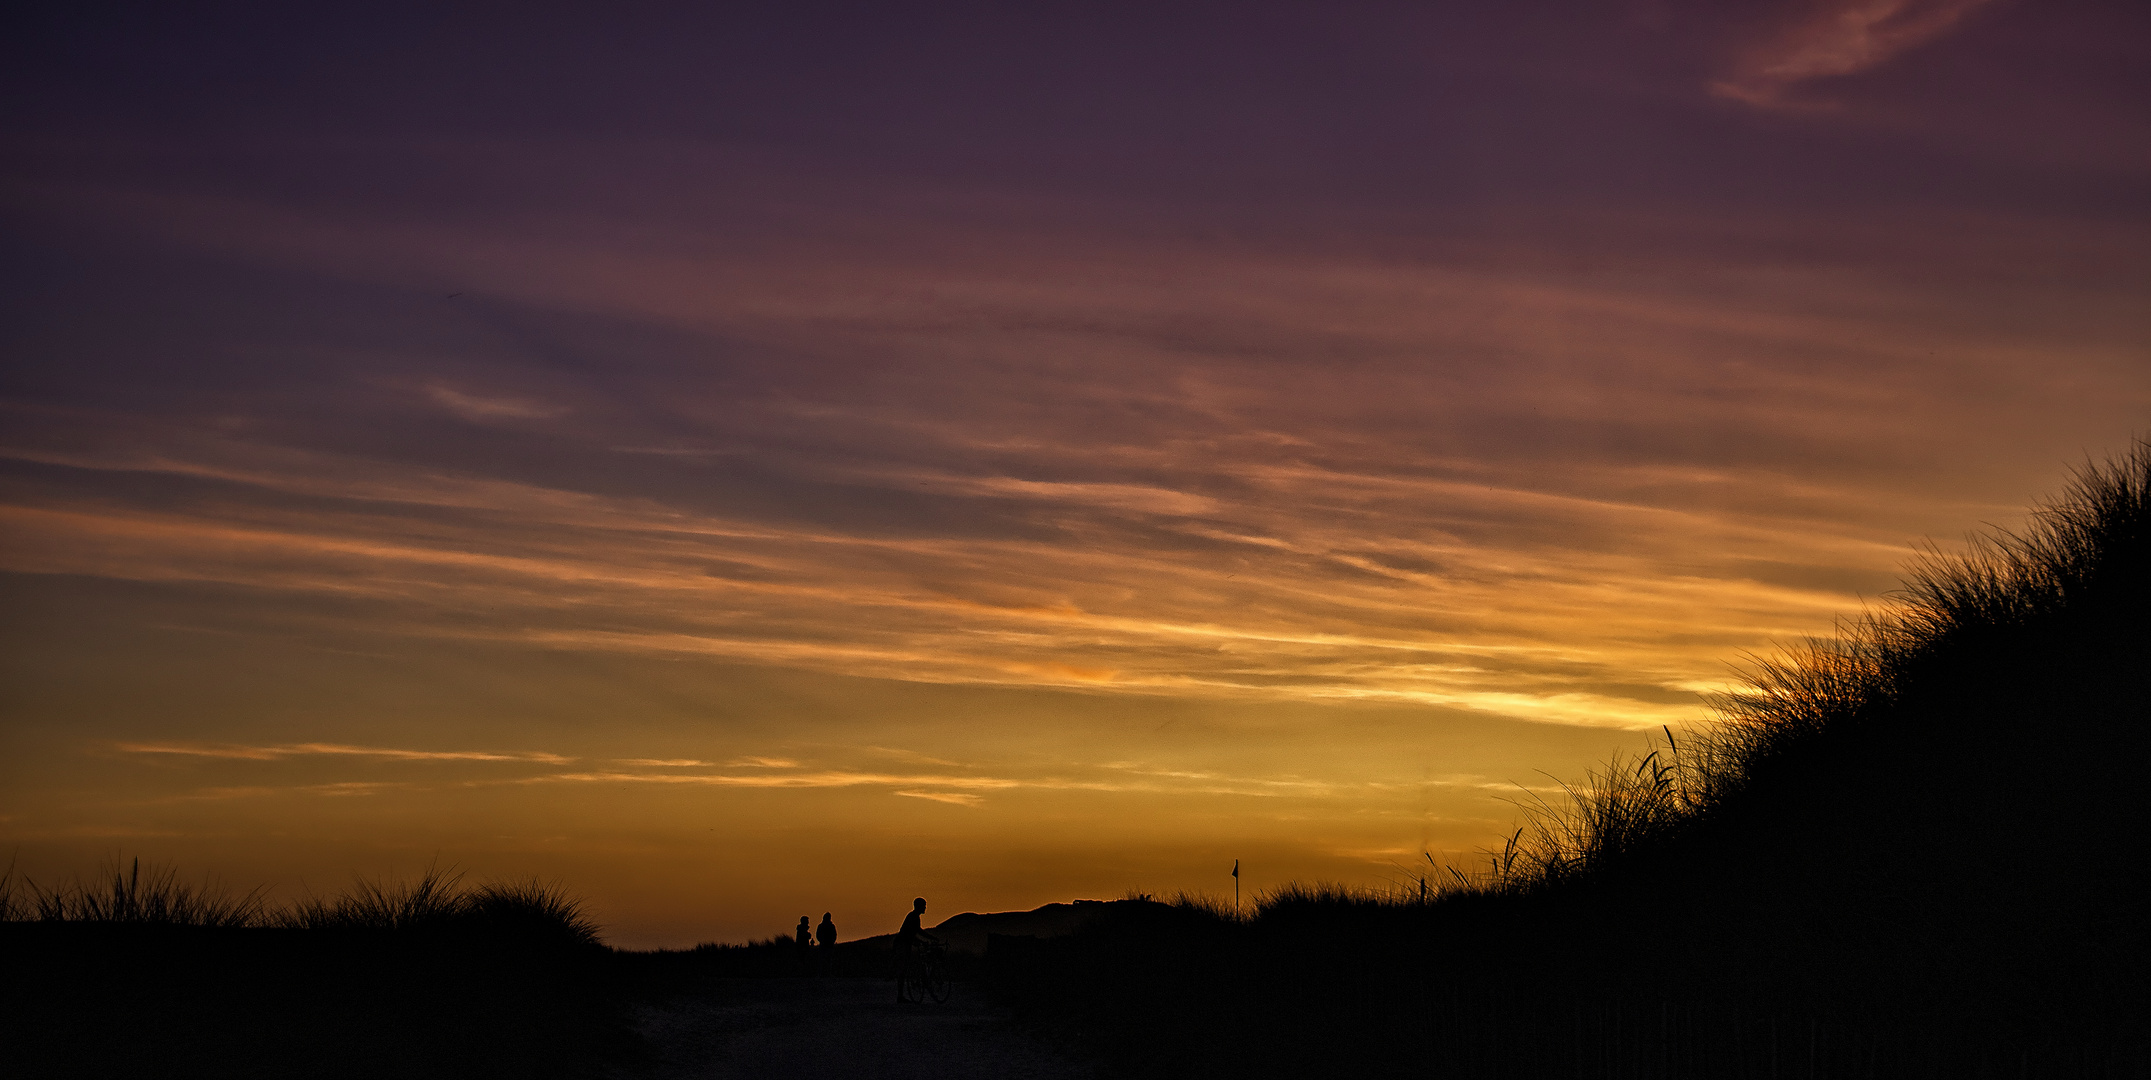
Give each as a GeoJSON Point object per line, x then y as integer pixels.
{"type": "Point", "coordinates": [936, 981]}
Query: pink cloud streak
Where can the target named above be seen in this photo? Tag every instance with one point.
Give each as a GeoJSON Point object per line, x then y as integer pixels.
{"type": "Point", "coordinates": [1845, 38]}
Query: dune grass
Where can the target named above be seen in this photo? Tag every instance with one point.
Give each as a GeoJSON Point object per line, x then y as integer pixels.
{"type": "Point", "coordinates": [13, 894]}
{"type": "Point", "coordinates": [2083, 565]}
{"type": "Point", "coordinates": [120, 893]}
{"type": "Point", "coordinates": [125, 891]}
{"type": "Point", "coordinates": [439, 902]}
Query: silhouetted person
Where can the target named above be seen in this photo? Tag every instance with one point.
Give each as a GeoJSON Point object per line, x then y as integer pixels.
{"type": "Point", "coordinates": [908, 937]}
{"type": "Point", "coordinates": [824, 945]}
{"type": "Point", "coordinates": [804, 938]}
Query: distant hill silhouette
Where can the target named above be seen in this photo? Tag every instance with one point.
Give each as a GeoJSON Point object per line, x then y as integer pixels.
{"type": "Point", "coordinates": [1911, 850]}
{"type": "Point", "coordinates": [967, 933]}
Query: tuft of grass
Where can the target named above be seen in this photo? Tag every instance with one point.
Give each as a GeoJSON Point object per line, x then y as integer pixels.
{"type": "Point", "coordinates": [1293, 897]}
{"type": "Point", "coordinates": [433, 901]}
{"type": "Point", "coordinates": [1205, 904]}
{"type": "Point", "coordinates": [438, 902]}
{"type": "Point", "coordinates": [123, 894]}
{"type": "Point", "coordinates": [13, 906]}
{"type": "Point", "coordinates": [531, 909]}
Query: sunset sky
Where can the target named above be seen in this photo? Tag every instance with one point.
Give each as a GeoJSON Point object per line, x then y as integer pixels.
{"type": "Point", "coordinates": [750, 460]}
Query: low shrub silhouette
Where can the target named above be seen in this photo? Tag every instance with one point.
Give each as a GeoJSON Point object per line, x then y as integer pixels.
{"type": "Point", "coordinates": [1906, 850]}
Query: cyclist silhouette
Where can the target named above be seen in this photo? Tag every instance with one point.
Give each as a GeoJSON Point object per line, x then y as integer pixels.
{"type": "Point", "coordinates": [908, 938]}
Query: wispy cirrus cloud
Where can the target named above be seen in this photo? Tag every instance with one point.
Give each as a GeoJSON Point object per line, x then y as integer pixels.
{"type": "Point", "coordinates": [971, 787]}
{"type": "Point", "coordinates": [953, 798]}
{"type": "Point", "coordinates": [334, 789]}
{"type": "Point", "coordinates": [276, 752]}
{"type": "Point", "coordinates": [482, 408]}
{"type": "Point", "coordinates": [958, 783]}
{"type": "Point", "coordinates": [1844, 38]}
{"type": "Point", "coordinates": [907, 755]}
{"type": "Point", "coordinates": [831, 778]}
{"type": "Point", "coordinates": [1316, 608]}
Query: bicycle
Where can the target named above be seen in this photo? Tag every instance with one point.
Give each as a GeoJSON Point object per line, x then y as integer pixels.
{"type": "Point", "coordinates": [925, 978]}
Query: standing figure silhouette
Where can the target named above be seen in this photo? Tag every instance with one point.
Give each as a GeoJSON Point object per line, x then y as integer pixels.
{"type": "Point", "coordinates": [824, 940]}
{"type": "Point", "coordinates": [803, 939]}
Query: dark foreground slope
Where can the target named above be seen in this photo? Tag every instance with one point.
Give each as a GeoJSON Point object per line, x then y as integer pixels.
{"type": "Point", "coordinates": [1912, 851]}
{"type": "Point", "coordinates": [88, 1000]}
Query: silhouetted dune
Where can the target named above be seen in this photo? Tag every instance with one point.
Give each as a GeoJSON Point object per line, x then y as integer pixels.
{"type": "Point", "coordinates": [968, 933]}
{"type": "Point", "coordinates": [1907, 851]}
{"type": "Point", "coordinates": [969, 937]}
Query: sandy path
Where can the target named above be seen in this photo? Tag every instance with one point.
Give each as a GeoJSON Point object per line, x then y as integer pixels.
{"type": "Point", "coordinates": [779, 1029]}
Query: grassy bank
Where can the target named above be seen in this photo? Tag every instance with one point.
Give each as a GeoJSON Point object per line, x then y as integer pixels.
{"type": "Point", "coordinates": [1909, 850]}
{"type": "Point", "coordinates": [139, 973]}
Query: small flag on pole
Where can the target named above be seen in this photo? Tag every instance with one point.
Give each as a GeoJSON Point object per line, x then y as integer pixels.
{"type": "Point", "coordinates": [1235, 884]}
